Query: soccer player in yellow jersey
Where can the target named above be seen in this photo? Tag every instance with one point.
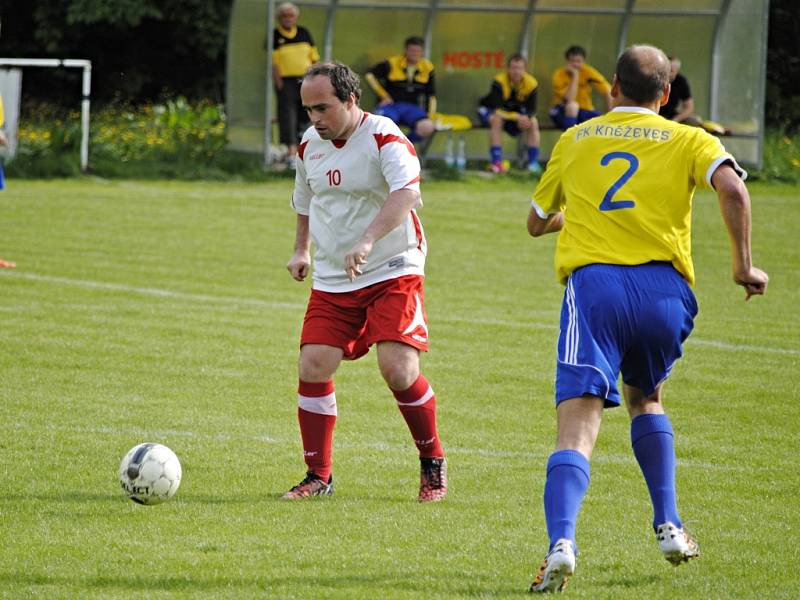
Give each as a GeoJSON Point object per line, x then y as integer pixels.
{"type": "Point", "coordinates": [619, 189]}
{"type": "Point", "coordinates": [510, 106]}
{"type": "Point", "coordinates": [572, 90]}
{"type": "Point", "coordinates": [406, 88]}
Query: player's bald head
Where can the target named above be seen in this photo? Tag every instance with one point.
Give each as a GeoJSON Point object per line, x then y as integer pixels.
{"type": "Point", "coordinates": [642, 73]}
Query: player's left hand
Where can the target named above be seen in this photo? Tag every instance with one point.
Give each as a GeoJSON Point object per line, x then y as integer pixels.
{"type": "Point", "coordinates": [754, 282]}
{"type": "Point", "coordinates": [357, 257]}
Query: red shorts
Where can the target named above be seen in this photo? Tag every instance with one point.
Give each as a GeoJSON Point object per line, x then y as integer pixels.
{"type": "Point", "coordinates": [391, 310]}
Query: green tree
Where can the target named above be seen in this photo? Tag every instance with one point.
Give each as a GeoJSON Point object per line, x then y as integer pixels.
{"type": "Point", "coordinates": [783, 65]}
{"type": "Point", "coordinates": [141, 50]}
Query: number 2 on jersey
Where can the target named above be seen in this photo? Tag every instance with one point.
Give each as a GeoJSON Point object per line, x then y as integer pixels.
{"type": "Point", "coordinates": [633, 164]}
{"type": "Point", "coordinates": [334, 177]}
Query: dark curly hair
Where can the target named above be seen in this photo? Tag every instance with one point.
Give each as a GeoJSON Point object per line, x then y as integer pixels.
{"type": "Point", "coordinates": [343, 79]}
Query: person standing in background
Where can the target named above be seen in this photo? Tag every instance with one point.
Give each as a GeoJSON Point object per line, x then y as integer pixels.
{"type": "Point", "coordinates": [293, 53]}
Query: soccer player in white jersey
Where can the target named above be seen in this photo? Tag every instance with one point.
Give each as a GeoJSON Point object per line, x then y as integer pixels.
{"type": "Point", "coordinates": [618, 189]}
{"type": "Point", "coordinates": [356, 194]}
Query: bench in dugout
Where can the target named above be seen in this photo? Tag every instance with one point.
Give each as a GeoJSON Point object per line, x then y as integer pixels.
{"type": "Point", "coordinates": [456, 128]}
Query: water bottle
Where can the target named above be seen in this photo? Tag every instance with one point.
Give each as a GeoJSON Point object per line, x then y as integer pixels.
{"type": "Point", "coordinates": [461, 158]}
{"type": "Point", "coordinates": [449, 159]}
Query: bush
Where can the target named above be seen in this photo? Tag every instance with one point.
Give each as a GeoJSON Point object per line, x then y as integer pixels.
{"type": "Point", "coordinates": [183, 141]}
{"type": "Point", "coordinates": [781, 157]}
{"type": "Point", "coordinates": [174, 140]}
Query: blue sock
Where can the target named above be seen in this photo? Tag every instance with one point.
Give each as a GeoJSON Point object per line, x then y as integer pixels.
{"type": "Point", "coordinates": [567, 481]}
{"type": "Point", "coordinates": [496, 152]}
{"type": "Point", "coordinates": [533, 154]}
{"type": "Point", "coordinates": [570, 121]}
{"type": "Point", "coordinates": [653, 446]}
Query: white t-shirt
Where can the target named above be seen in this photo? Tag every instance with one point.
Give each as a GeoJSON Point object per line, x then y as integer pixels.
{"type": "Point", "coordinates": [342, 186]}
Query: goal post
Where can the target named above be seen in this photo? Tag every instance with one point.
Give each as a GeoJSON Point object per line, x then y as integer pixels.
{"type": "Point", "coordinates": [86, 88]}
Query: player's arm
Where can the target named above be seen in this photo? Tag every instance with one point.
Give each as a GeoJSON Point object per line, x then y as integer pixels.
{"type": "Point", "coordinates": [560, 84]}
{"type": "Point", "coordinates": [601, 86]}
{"type": "Point", "coordinates": [687, 110]}
{"type": "Point", "coordinates": [571, 91]}
{"type": "Point", "coordinates": [527, 120]}
{"type": "Point", "coordinates": [539, 225]}
{"type": "Point", "coordinates": [373, 77]}
{"type": "Point", "coordinates": [313, 53]}
{"type": "Point", "coordinates": [277, 77]}
{"type": "Point", "coordinates": [431, 105]}
{"type": "Point", "coordinates": [547, 207]}
{"type": "Point", "coordinates": [300, 263]}
{"type": "Point", "coordinates": [392, 213]}
{"type": "Point", "coordinates": [734, 203]}
{"type": "Point", "coordinates": [608, 100]}
{"type": "Point", "coordinates": [430, 92]}
{"type": "Point", "coordinates": [508, 115]}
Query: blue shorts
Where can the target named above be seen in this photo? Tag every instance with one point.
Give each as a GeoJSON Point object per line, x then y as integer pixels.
{"type": "Point", "coordinates": [402, 113]}
{"type": "Point", "coordinates": [628, 319]}
{"type": "Point", "coordinates": [509, 126]}
{"type": "Point", "coordinates": [557, 115]}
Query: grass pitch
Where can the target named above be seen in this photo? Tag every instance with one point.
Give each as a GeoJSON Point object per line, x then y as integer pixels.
{"type": "Point", "coordinates": [163, 312]}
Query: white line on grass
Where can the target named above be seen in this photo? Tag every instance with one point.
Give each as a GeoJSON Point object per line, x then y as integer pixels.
{"type": "Point", "coordinates": [368, 446]}
{"type": "Point", "coordinates": [162, 293]}
{"type": "Point", "coordinates": [155, 292]}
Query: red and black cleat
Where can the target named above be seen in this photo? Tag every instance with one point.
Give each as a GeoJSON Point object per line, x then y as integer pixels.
{"type": "Point", "coordinates": [432, 479]}
{"type": "Point", "coordinates": [311, 485]}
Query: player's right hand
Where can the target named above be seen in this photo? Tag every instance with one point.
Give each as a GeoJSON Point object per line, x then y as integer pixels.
{"type": "Point", "coordinates": [299, 266]}
{"type": "Point", "coordinates": [385, 101]}
{"type": "Point", "coordinates": [356, 258]}
{"type": "Point", "coordinates": [753, 281]}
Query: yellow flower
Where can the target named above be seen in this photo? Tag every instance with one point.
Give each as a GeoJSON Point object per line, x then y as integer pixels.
{"type": "Point", "coordinates": [796, 162]}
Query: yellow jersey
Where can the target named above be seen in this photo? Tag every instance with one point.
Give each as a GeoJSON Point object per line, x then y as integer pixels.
{"type": "Point", "coordinates": [588, 78]}
{"type": "Point", "coordinates": [625, 182]}
{"type": "Point", "coordinates": [294, 51]}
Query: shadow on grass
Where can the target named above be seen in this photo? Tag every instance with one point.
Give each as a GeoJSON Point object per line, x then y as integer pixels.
{"type": "Point", "coordinates": [628, 582]}
{"type": "Point", "coordinates": [484, 587]}
{"type": "Point", "coordinates": [80, 497]}
{"type": "Point", "coordinates": [212, 499]}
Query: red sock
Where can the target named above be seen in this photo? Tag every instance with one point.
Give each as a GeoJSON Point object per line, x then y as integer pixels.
{"type": "Point", "coordinates": [418, 405]}
{"type": "Point", "coordinates": [317, 415]}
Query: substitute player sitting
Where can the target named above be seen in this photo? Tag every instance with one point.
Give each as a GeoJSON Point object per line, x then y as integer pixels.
{"type": "Point", "coordinates": [510, 106]}
{"type": "Point", "coordinates": [406, 89]}
{"type": "Point", "coordinates": [572, 90]}
{"type": "Point", "coordinates": [619, 189]}
{"type": "Point", "coordinates": [356, 195]}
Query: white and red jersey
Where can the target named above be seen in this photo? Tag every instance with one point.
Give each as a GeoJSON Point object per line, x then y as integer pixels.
{"type": "Point", "coordinates": [342, 185]}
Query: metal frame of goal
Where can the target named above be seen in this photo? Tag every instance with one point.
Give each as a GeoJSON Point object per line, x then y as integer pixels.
{"type": "Point", "coordinates": [86, 65]}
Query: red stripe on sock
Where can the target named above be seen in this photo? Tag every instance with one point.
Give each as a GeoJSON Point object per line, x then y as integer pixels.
{"type": "Point", "coordinates": [315, 390]}
{"type": "Point", "coordinates": [421, 420]}
{"type": "Point", "coordinates": [417, 390]}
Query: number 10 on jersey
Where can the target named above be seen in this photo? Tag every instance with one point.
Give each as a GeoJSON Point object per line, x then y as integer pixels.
{"type": "Point", "coordinates": [334, 177]}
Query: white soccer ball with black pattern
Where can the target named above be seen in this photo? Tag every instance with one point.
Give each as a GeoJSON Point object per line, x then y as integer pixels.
{"type": "Point", "coordinates": [150, 473]}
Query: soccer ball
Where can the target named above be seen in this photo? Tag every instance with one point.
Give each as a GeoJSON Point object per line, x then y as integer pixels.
{"type": "Point", "coordinates": [150, 473]}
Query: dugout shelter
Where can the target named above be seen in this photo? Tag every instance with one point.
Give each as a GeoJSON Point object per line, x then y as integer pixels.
{"type": "Point", "coordinates": [722, 44]}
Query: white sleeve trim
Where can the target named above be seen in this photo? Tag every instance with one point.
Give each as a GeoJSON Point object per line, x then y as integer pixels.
{"type": "Point", "coordinates": [539, 211]}
{"type": "Point", "coordinates": [723, 159]}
